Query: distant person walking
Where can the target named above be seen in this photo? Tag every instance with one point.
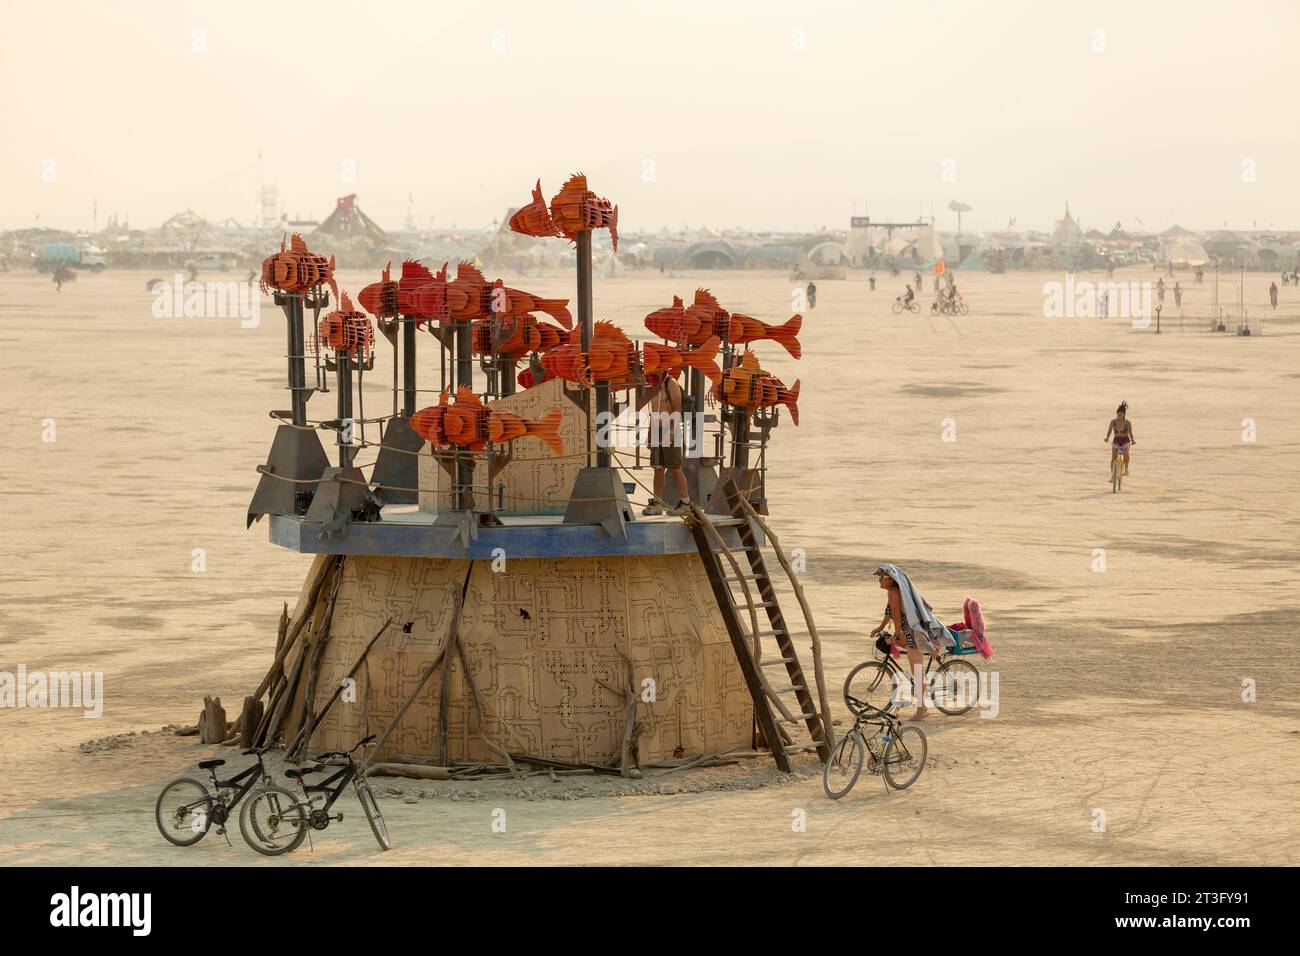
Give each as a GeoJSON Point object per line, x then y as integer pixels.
{"type": "Point", "coordinates": [1178, 295]}
{"type": "Point", "coordinates": [1272, 294]}
{"type": "Point", "coordinates": [811, 292]}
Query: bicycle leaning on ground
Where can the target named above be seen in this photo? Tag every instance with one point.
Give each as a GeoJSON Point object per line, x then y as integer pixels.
{"type": "Point", "coordinates": [187, 808]}
{"type": "Point", "coordinates": [276, 821]}
{"type": "Point", "coordinates": [895, 751]}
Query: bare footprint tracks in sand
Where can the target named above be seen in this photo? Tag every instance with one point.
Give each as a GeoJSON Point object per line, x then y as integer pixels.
{"type": "Point", "coordinates": [949, 391]}
{"type": "Point", "coordinates": [132, 622]}
{"type": "Point", "coordinates": [834, 567]}
{"type": "Point", "coordinates": [1239, 552]}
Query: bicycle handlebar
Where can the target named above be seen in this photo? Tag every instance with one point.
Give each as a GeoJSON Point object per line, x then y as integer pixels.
{"type": "Point", "coordinates": [346, 753]}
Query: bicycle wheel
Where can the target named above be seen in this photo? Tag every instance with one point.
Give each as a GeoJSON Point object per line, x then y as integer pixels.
{"type": "Point", "coordinates": [905, 757]}
{"type": "Point", "coordinates": [872, 683]}
{"type": "Point", "coordinates": [845, 766]}
{"type": "Point", "coordinates": [956, 686]}
{"type": "Point", "coordinates": [373, 816]}
{"type": "Point", "coordinates": [964, 309]}
{"type": "Point", "coordinates": [183, 811]}
{"type": "Point", "coordinates": [273, 822]}
{"type": "Point", "coordinates": [898, 308]}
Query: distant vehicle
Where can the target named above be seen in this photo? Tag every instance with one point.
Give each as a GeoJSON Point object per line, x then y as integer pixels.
{"type": "Point", "coordinates": [208, 264]}
{"type": "Point", "coordinates": [54, 254]}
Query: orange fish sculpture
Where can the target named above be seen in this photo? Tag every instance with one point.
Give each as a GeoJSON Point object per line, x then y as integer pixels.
{"type": "Point", "coordinates": [574, 209]}
{"type": "Point", "coordinates": [468, 423]}
{"type": "Point", "coordinates": [674, 324]}
{"type": "Point", "coordinates": [705, 317]}
{"type": "Point", "coordinates": [421, 294]}
{"type": "Point", "coordinates": [610, 360]}
{"type": "Point", "coordinates": [747, 386]}
{"type": "Point", "coordinates": [517, 335]}
{"type": "Point", "coordinates": [297, 269]}
{"type": "Point", "coordinates": [380, 298]}
{"type": "Point", "coordinates": [660, 359]}
{"type": "Point", "coordinates": [347, 330]}
{"type": "Point", "coordinates": [743, 330]}
{"type": "Point", "coordinates": [470, 297]}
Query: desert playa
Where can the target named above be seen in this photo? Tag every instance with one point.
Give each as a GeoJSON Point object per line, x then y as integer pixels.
{"type": "Point", "coordinates": [1145, 641]}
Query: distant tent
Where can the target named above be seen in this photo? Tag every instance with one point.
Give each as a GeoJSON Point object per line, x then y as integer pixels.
{"type": "Point", "coordinates": [1187, 254]}
{"type": "Point", "coordinates": [827, 254]}
{"type": "Point", "coordinates": [713, 254]}
{"type": "Point", "coordinates": [1067, 231]}
{"type": "Point", "coordinates": [347, 221]}
{"type": "Point", "coordinates": [1175, 231]}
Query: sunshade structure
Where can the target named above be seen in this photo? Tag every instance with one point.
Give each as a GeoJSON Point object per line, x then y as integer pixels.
{"type": "Point", "coordinates": [827, 254]}
{"type": "Point", "coordinates": [1188, 254]}
{"type": "Point", "coordinates": [714, 254]}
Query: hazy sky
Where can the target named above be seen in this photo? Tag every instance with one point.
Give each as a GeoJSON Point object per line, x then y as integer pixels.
{"type": "Point", "coordinates": [759, 114]}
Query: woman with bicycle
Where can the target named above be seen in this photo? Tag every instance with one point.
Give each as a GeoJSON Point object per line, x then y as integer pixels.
{"type": "Point", "coordinates": [916, 630]}
{"type": "Point", "coordinates": [1121, 430]}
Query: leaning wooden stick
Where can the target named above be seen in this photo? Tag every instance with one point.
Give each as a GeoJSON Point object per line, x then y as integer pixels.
{"type": "Point", "coordinates": [316, 648]}
{"type": "Point", "coordinates": [428, 670]}
{"type": "Point", "coordinates": [305, 732]}
{"type": "Point", "coordinates": [479, 712]}
{"type": "Point", "coordinates": [415, 692]}
{"type": "Point", "coordinates": [309, 606]}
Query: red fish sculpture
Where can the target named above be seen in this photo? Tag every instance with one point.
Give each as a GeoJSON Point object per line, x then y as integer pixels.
{"type": "Point", "coordinates": [297, 269]}
{"type": "Point", "coordinates": [421, 294]}
{"type": "Point", "coordinates": [744, 330]}
{"type": "Point", "coordinates": [674, 324]}
{"type": "Point", "coordinates": [611, 358]}
{"type": "Point", "coordinates": [380, 298]}
{"type": "Point", "coordinates": [347, 329]}
{"type": "Point", "coordinates": [657, 359]}
{"type": "Point", "coordinates": [574, 209]}
{"type": "Point", "coordinates": [468, 423]}
{"type": "Point", "coordinates": [747, 386]}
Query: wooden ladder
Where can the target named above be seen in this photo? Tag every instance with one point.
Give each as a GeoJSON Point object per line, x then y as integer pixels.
{"type": "Point", "coordinates": [722, 578]}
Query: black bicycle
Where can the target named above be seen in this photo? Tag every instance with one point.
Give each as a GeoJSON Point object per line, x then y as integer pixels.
{"type": "Point", "coordinates": [277, 821]}
{"type": "Point", "coordinates": [895, 751]}
{"type": "Point", "coordinates": [187, 808]}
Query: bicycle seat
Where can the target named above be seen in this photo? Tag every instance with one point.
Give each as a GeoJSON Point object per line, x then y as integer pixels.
{"type": "Point", "coordinates": [209, 764]}
{"type": "Point", "coordinates": [297, 773]}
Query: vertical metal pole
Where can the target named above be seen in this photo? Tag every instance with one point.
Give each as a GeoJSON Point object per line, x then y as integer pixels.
{"type": "Point", "coordinates": [344, 360]}
{"type": "Point", "coordinates": [464, 379]}
{"type": "Point", "coordinates": [297, 358]}
{"type": "Point", "coordinates": [408, 366]}
{"type": "Point", "coordinates": [587, 324]}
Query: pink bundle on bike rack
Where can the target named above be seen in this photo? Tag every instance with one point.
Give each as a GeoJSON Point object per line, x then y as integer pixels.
{"type": "Point", "coordinates": [973, 629]}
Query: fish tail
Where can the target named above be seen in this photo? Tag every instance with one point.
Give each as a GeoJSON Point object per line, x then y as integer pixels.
{"type": "Point", "coordinates": [788, 334]}
{"type": "Point", "coordinates": [791, 401]}
{"type": "Point", "coordinates": [704, 358]}
{"type": "Point", "coordinates": [547, 429]}
{"type": "Point", "coordinates": [558, 310]}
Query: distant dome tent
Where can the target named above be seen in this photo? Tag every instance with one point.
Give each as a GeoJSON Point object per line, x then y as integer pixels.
{"type": "Point", "coordinates": [1187, 254]}
{"type": "Point", "coordinates": [827, 254]}
{"type": "Point", "coordinates": [713, 254]}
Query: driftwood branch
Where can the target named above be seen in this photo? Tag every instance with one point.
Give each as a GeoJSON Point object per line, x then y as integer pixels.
{"type": "Point", "coordinates": [291, 635]}
{"type": "Point", "coordinates": [305, 732]}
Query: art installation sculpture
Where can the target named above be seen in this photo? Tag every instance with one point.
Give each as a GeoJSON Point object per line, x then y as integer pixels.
{"type": "Point", "coordinates": [532, 602]}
